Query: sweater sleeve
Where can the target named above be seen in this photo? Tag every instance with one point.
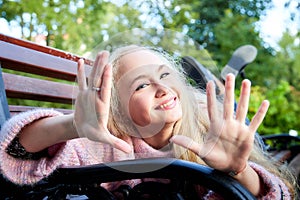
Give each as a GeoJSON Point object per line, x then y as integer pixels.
{"type": "Point", "coordinates": [24, 171]}
{"type": "Point", "coordinates": [12, 168]}
{"type": "Point", "coordinates": [274, 187]}
{"type": "Point", "coordinates": [75, 152]}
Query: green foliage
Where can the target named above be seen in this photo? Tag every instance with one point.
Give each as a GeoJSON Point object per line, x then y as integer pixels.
{"type": "Point", "coordinates": [288, 59]}
{"type": "Point", "coordinates": [241, 31]}
{"type": "Point", "coordinates": [211, 13]}
{"type": "Point", "coordinates": [72, 25]}
{"type": "Point", "coordinates": [283, 113]}
{"type": "Point", "coordinates": [42, 104]}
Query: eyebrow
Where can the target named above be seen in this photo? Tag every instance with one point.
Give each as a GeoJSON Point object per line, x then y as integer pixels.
{"type": "Point", "coordinates": [162, 66]}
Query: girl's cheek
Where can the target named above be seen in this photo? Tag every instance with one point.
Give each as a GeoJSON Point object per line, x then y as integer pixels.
{"type": "Point", "coordinates": [138, 111]}
{"type": "Point", "coordinates": [125, 97]}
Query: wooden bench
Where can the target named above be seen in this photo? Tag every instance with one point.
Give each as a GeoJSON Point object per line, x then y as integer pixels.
{"type": "Point", "coordinates": [45, 74]}
{"type": "Point", "coordinates": [285, 148]}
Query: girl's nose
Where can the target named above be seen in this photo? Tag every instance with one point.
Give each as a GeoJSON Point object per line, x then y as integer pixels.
{"type": "Point", "coordinates": [161, 90]}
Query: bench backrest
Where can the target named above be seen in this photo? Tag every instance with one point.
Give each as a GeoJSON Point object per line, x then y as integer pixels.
{"type": "Point", "coordinates": [47, 74]}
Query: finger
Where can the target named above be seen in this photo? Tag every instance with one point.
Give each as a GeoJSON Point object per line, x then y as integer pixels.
{"type": "Point", "coordinates": [106, 84]}
{"type": "Point", "coordinates": [242, 109]}
{"type": "Point", "coordinates": [94, 70]}
{"type": "Point", "coordinates": [100, 65]}
{"type": "Point", "coordinates": [120, 144]}
{"type": "Point", "coordinates": [259, 116]}
{"type": "Point", "coordinates": [187, 143]}
{"type": "Point", "coordinates": [229, 96]}
{"type": "Point", "coordinates": [81, 79]}
{"type": "Point", "coordinates": [211, 101]}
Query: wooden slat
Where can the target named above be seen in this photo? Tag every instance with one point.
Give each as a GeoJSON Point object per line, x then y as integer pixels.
{"type": "Point", "coordinates": [295, 165]}
{"type": "Point", "coordinates": [29, 57]}
{"type": "Point", "coordinates": [281, 156]}
{"type": "Point", "coordinates": [35, 89]}
{"type": "Point", "coordinates": [45, 49]}
{"type": "Point", "coordinates": [31, 61]}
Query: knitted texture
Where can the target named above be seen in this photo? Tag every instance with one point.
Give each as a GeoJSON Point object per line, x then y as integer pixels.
{"type": "Point", "coordinates": [274, 187]}
{"type": "Point", "coordinates": [81, 151]}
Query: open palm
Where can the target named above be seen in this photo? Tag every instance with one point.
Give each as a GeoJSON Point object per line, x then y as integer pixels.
{"type": "Point", "coordinates": [92, 106]}
{"type": "Point", "coordinates": [228, 144]}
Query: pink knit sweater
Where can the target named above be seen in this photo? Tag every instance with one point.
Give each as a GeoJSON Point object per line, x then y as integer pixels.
{"type": "Point", "coordinates": [80, 152]}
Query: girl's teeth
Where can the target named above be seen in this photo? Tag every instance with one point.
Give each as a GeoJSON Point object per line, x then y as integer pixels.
{"type": "Point", "coordinates": [167, 104]}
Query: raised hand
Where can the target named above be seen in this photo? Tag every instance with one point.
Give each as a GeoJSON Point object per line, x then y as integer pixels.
{"type": "Point", "coordinates": [93, 101]}
{"type": "Point", "coordinates": [228, 144]}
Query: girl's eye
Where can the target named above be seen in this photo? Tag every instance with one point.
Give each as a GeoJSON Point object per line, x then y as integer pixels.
{"type": "Point", "coordinates": [141, 86]}
{"type": "Point", "coordinates": [164, 75]}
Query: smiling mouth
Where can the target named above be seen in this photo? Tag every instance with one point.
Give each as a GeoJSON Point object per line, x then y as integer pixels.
{"type": "Point", "coordinates": [169, 105]}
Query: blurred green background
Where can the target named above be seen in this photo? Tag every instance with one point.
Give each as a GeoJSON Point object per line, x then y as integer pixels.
{"type": "Point", "coordinates": [219, 26]}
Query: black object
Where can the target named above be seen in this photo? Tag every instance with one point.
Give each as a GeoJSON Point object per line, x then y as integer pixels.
{"type": "Point", "coordinates": [283, 141]}
{"type": "Point", "coordinates": [197, 72]}
{"type": "Point", "coordinates": [86, 180]}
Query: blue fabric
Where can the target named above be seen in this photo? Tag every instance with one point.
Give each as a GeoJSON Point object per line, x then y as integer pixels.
{"type": "Point", "coordinates": [4, 110]}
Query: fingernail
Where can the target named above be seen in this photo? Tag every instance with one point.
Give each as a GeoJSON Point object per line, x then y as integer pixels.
{"type": "Point", "coordinates": [81, 60]}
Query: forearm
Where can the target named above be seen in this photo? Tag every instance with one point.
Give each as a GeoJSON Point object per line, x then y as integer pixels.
{"type": "Point", "coordinates": [250, 180]}
{"type": "Point", "coordinates": [46, 132]}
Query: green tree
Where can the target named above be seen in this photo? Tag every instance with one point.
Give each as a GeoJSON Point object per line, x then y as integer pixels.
{"type": "Point", "coordinates": [72, 25]}
{"type": "Point", "coordinates": [288, 60]}
{"type": "Point", "coordinates": [211, 13]}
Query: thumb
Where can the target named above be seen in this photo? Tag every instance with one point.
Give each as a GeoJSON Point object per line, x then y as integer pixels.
{"type": "Point", "coordinates": [187, 143]}
{"type": "Point", "coordinates": [120, 144]}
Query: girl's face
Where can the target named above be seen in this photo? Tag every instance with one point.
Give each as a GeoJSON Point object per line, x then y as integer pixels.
{"type": "Point", "coordinates": [147, 90]}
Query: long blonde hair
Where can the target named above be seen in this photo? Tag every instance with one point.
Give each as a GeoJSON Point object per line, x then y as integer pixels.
{"type": "Point", "coordinates": [194, 122]}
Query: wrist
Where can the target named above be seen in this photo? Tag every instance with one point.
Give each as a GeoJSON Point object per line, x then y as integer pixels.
{"type": "Point", "coordinates": [73, 128]}
{"type": "Point", "coordinates": [235, 173]}
{"type": "Point", "coordinates": [250, 180]}
{"type": "Point", "coordinates": [70, 131]}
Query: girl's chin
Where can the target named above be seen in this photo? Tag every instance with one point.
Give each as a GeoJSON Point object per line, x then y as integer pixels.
{"type": "Point", "coordinates": [174, 118]}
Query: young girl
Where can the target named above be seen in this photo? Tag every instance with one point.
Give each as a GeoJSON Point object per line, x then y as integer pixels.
{"type": "Point", "coordinates": [137, 104]}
